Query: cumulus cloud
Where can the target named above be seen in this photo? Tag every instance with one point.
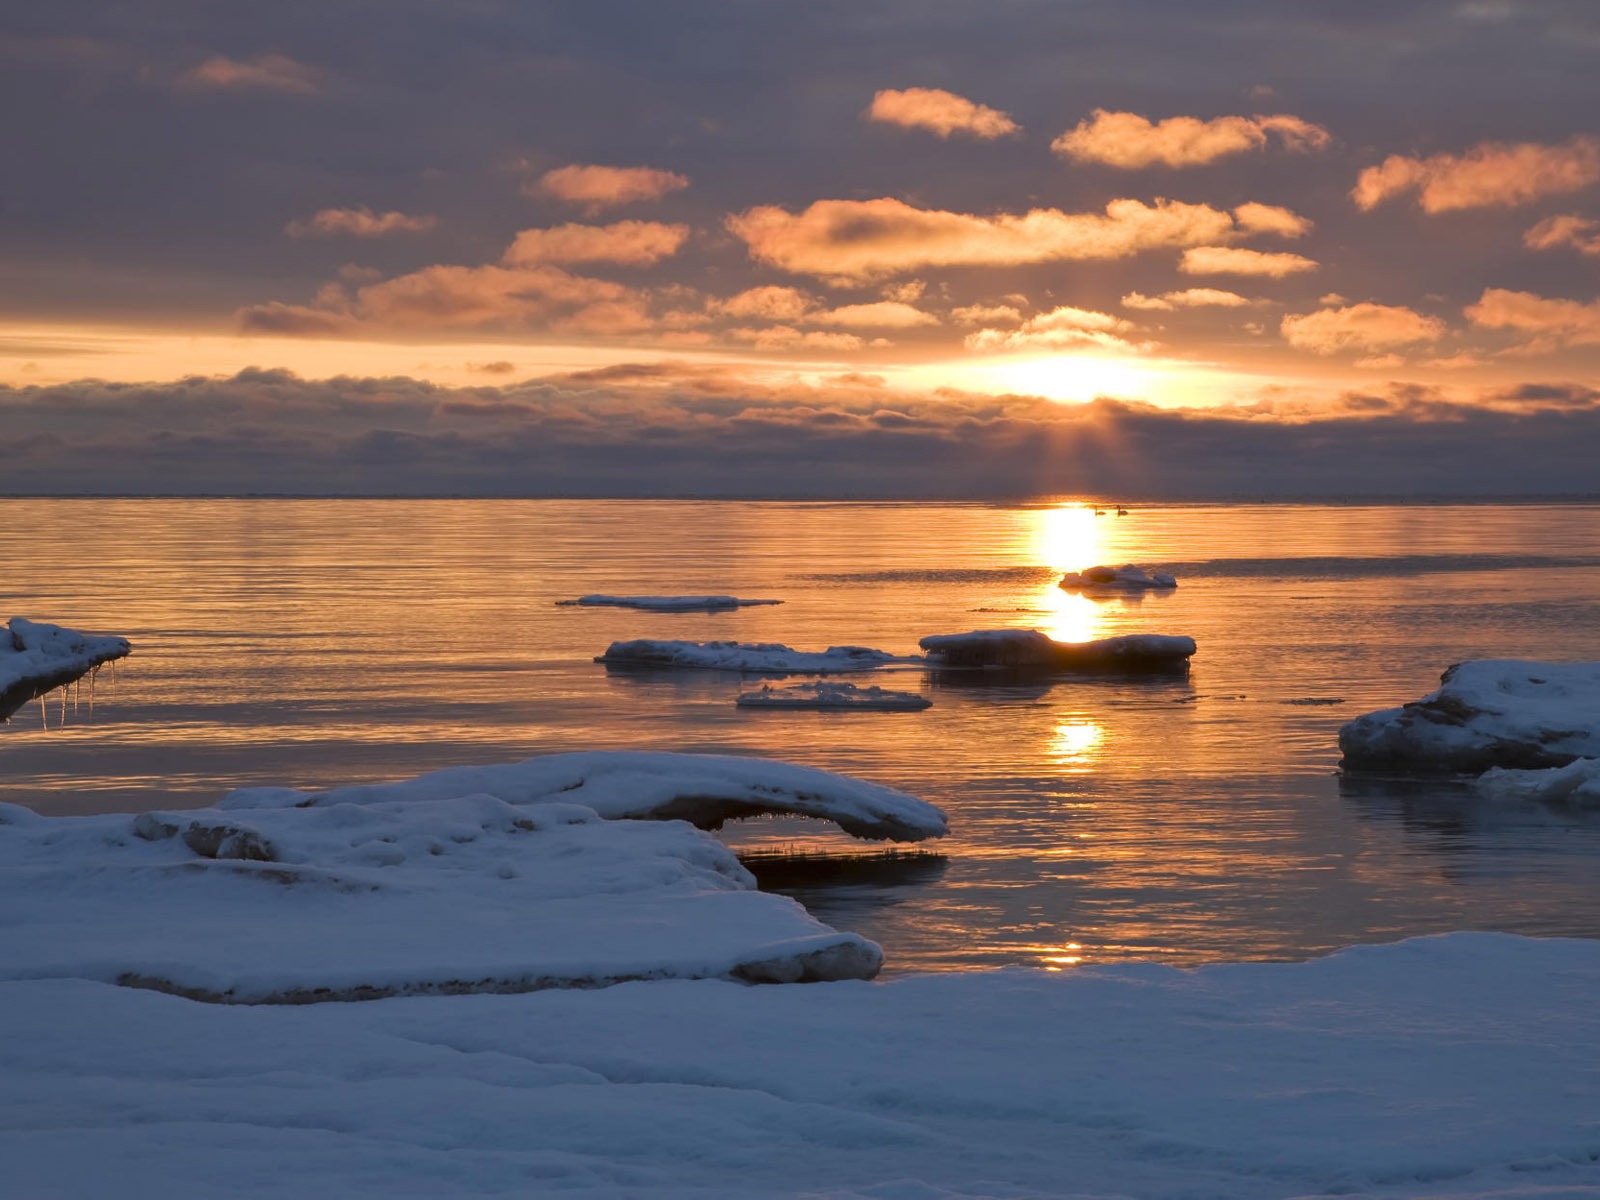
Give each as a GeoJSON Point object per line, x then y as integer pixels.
{"type": "Point", "coordinates": [629, 243]}
{"type": "Point", "coordinates": [786, 337]}
{"type": "Point", "coordinates": [1059, 329]}
{"type": "Point", "coordinates": [986, 314]}
{"type": "Point", "coordinates": [1581, 233]}
{"type": "Point", "coordinates": [1360, 327]}
{"type": "Point", "coordinates": [359, 222]}
{"type": "Point", "coordinates": [595, 188]}
{"type": "Point", "coordinates": [1234, 260]}
{"type": "Point", "coordinates": [263, 73]}
{"type": "Point", "coordinates": [1547, 324]}
{"type": "Point", "coordinates": [1269, 218]}
{"type": "Point", "coordinates": [1127, 140]}
{"type": "Point", "coordinates": [1187, 298]}
{"type": "Point", "coordinates": [1490, 175]}
{"type": "Point", "coordinates": [862, 239]}
{"type": "Point", "coordinates": [940, 112]}
{"type": "Point", "coordinates": [885, 314]}
{"type": "Point", "coordinates": [765, 303]}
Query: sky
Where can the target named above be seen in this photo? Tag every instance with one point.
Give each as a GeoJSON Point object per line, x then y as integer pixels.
{"type": "Point", "coordinates": [1154, 248]}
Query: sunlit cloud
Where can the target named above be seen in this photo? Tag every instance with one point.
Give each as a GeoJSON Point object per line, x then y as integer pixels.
{"type": "Point", "coordinates": [595, 188]}
{"type": "Point", "coordinates": [1360, 327]}
{"type": "Point", "coordinates": [1187, 298]}
{"type": "Point", "coordinates": [1060, 328]}
{"type": "Point", "coordinates": [1270, 218]}
{"type": "Point", "coordinates": [885, 314]}
{"type": "Point", "coordinates": [1127, 140]}
{"type": "Point", "coordinates": [628, 243]}
{"type": "Point", "coordinates": [1581, 233]}
{"type": "Point", "coordinates": [1547, 324]}
{"type": "Point", "coordinates": [862, 239]}
{"type": "Point", "coordinates": [940, 112]}
{"type": "Point", "coordinates": [1489, 175]}
{"type": "Point", "coordinates": [786, 337]}
{"type": "Point", "coordinates": [769, 303]}
{"type": "Point", "coordinates": [986, 314]}
{"type": "Point", "coordinates": [263, 73]}
{"type": "Point", "coordinates": [360, 223]}
{"type": "Point", "coordinates": [1235, 260]}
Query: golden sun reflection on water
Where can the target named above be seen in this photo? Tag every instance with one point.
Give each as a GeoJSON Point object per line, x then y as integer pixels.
{"type": "Point", "coordinates": [1066, 538]}
{"type": "Point", "coordinates": [1073, 745]}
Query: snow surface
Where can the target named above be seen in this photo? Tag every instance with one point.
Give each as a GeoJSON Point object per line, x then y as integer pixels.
{"type": "Point", "coordinates": [666, 603]}
{"type": "Point", "coordinates": [1463, 1066]}
{"type": "Point", "coordinates": [1487, 713]}
{"type": "Point", "coordinates": [1576, 785]}
{"type": "Point", "coordinates": [760, 658]}
{"type": "Point", "coordinates": [1030, 649]}
{"type": "Point", "coordinates": [354, 900]}
{"type": "Point", "coordinates": [35, 657]}
{"type": "Point", "coordinates": [1126, 576]}
{"type": "Point", "coordinates": [706, 789]}
{"type": "Point", "coordinates": [833, 696]}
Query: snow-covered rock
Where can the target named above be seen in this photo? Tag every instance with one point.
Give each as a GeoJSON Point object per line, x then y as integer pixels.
{"type": "Point", "coordinates": [348, 900]}
{"type": "Point", "coordinates": [35, 657]}
{"type": "Point", "coordinates": [1486, 713]}
{"type": "Point", "coordinates": [704, 789]}
{"type": "Point", "coordinates": [834, 696]}
{"type": "Point", "coordinates": [1576, 785]}
{"type": "Point", "coordinates": [758, 658]}
{"type": "Point", "coordinates": [1028, 649]}
{"type": "Point", "coordinates": [1126, 576]}
{"type": "Point", "coordinates": [665, 603]}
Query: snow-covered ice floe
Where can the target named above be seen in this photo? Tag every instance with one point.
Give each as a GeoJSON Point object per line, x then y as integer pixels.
{"type": "Point", "coordinates": [1463, 1066]}
{"type": "Point", "coordinates": [833, 696]}
{"type": "Point", "coordinates": [1486, 713]}
{"type": "Point", "coordinates": [1576, 785]}
{"type": "Point", "coordinates": [35, 658]}
{"type": "Point", "coordinates": [665, 603]}
{"type": "Point", "coordinates": [757, 658]}
{"type": "Point", "coordinates": [495, 879]}
{"type": "Point", "coordinates": [1127, 576]}
{"type": "Point", "coordinates": [1028, 649]}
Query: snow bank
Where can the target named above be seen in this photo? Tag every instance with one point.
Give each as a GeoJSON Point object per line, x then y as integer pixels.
{"type": "Point", "coordinates": [666, 603]}
{"type": "Point", "coordinates": [1486, 713]}
{"type": "Point", "coordinates": [1127, 576]}
{"type": "Point", "coordinates": [705, 789]}
{"type": "Point", "coordinates": [833, 695]}
{"type": "Point", "coordinates": [1464, 1066]}
{"type": "Point", "coordinates": [34, 658]}
{"type": "Point", "coordinates": [354, 900]}
{"type": "Point", "coordinates": [1576, 785]}
{"type": "Point", "coordinates": [1028, 649]}
{"type": "Point", "coordinates": [761, 658]}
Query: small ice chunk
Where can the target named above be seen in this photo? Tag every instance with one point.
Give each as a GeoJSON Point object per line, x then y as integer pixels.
{"type": "Point", "coordinates": [35, 657]}
{"type": "Point", "coordinates": [763, 658]}
{"type": "Point", "coordinates": [833, 696]}
{"type": "Point", "coordinates": [1028, 649]}
{"type": "Point", "coordinates": [1126, 576]}
{"type": "Point", "coordinates": [1576, 785]}
{"type": "Point", "coordinates": [665, 603]}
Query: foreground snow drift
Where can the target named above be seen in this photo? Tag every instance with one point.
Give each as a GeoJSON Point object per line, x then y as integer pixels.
{"type": "Point", "coordinates": [34, 658]}
{"type": "Point", "coordinates": [757, 658]}
{"type": "Point", "coordinates": [353, 901]}
{"type": "Point", "coordinates": [1465, 1066]}
{"type": "Point", "coordinates": [1486, 713]}
{"type": "Point", "coordinates": [1128, 577]}
{"type": "Point", "coordinates": [833, 696]}
{"type": "Point", "coordinates": [1028, 649]}
{"type": "Point", "coordinates": [665, 603]}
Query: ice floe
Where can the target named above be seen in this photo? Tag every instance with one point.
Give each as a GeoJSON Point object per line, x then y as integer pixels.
{"type": "Point", "coordinates": [757, 658]}
{"type": "Point", "coordinates": [35, 657]}
{"type": "Point", "coordinates": [1462, 1066]}
{"type": "Point", "coordinates": [833, 696]}
{"type": "Point", "coordinates": [1486, 713]}
{"type": "Point", "coordinates": [1127, 576]}
{"type": "Point", "coordinates": [1028, 649]}
{"type": "Point", "coordinates": [666, 603]}
{"type": "Point", "coordinates": [1576, 785]}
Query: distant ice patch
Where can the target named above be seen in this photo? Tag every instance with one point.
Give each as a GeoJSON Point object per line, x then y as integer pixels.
{"type": "Point", "coordinates": [1128, 576]}
{"type": "Point", "coordinates": [666, 603]}
{"type": "Point", "coordinates": [827, 695]}
{"type": "Point", "coordinates": [35, 657]}
{"type": "Point", "coordinates": [1028, 649]}
{"type": "Point", "coordinates": [762, 658]}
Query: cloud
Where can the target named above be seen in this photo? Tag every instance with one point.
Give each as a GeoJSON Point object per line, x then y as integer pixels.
{"type": "Point", "coordinates": [1269, 218]}
{"type": "Point", "coordinates": [1549, 324]}
{"type": "Point", "coordinates": [1362, 327]}
{"type": "Point", "coordinates": [1582, 234]}
{"type": "Point", "coordinates": [1060, 328]}
{"type": "Point", "coordinates": [1127, 140]}
{"type": "Point", "coordinates": [765, 303]}
{"type": "Point", "coordinates": [1188, 298]}
{"type": "Point", "coordinates": [863, 239]}
{"type": "Point", "coordinates": [940, 112]}
{"type": "Point", "coordinates": [986, 314]}
{"type": "Point", "coordinates": [786, 337]}
{"type": "Point", "coordinates": [1490, 175]}
{"type": "Point", "coordinates": [885, 314]}
{"type": "Point", "coordinates": [596, 188]}
{"type": "Point", "coordinates": [629, 243]}
{"type": "Point", "coordinates": [1234, 260]}
{"type": "Point", "coordinates": [263, 73]}
{"type": "Point", "coordinates": [359, 222]}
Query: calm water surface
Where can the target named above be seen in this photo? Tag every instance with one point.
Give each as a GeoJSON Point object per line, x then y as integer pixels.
{"type": "Point", "coordinates": [319, 642]}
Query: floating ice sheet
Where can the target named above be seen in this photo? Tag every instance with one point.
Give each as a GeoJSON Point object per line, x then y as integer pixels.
{"type": "Point", "coordinates": [35, 657]}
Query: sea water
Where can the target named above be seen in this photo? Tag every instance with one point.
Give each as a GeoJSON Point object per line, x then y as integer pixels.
{"type": "Point", "coordinates": [320, 642]}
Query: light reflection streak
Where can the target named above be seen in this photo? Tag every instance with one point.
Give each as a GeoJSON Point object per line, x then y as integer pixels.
{"type": "Point", "coordinates": [1073, 744]}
